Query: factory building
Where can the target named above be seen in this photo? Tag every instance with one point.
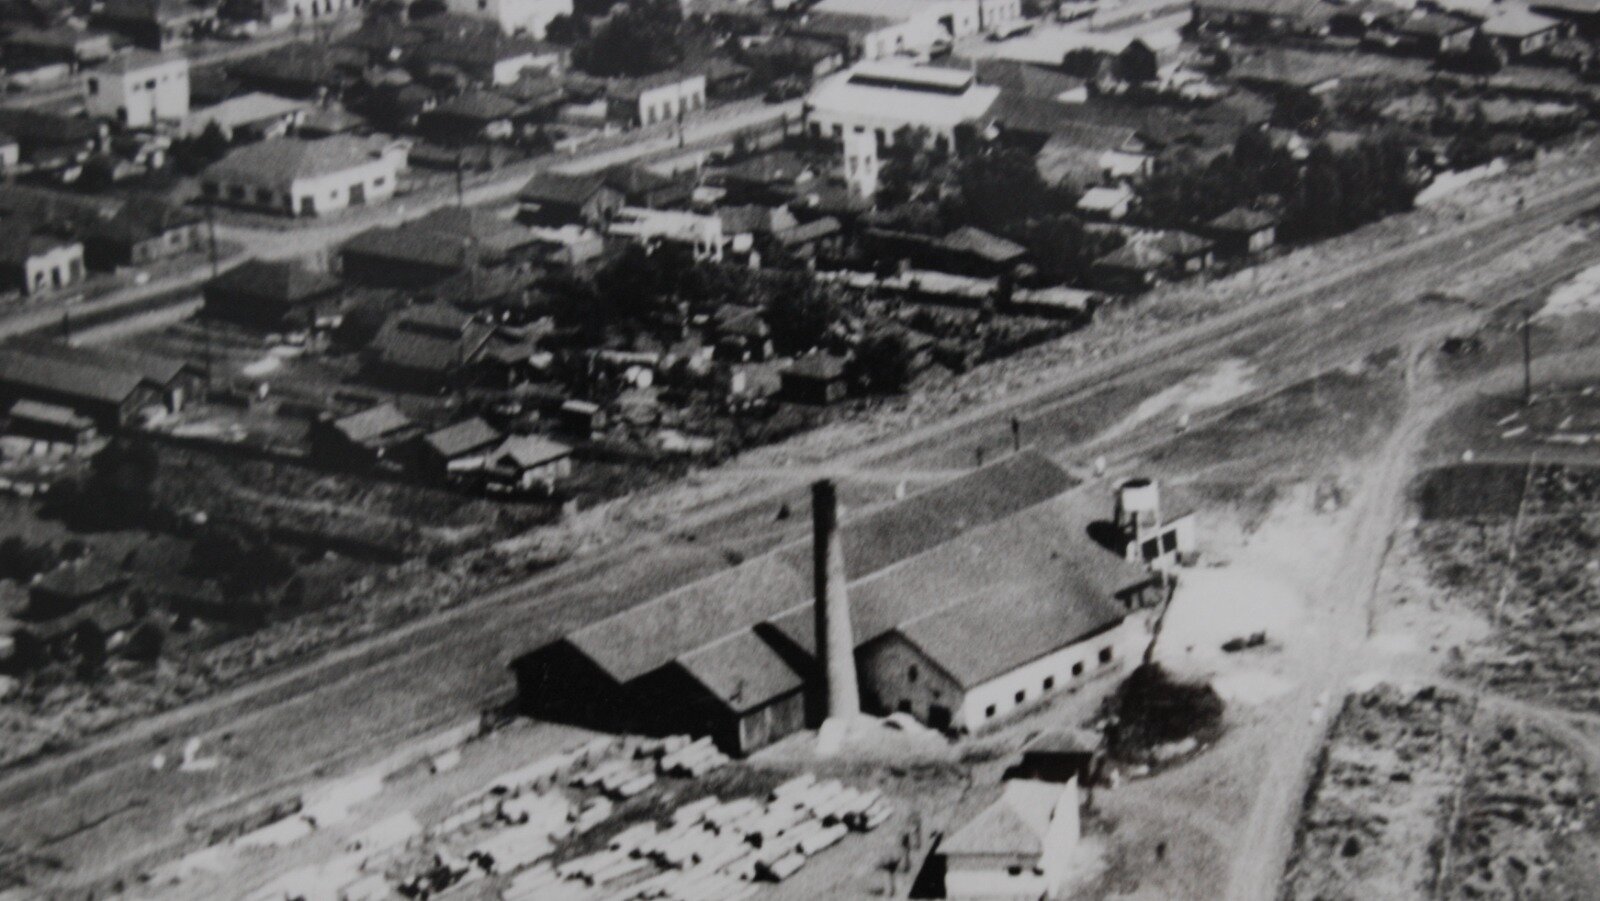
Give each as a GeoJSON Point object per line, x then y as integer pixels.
{"type": "Point", "coordinates": [958, 605]}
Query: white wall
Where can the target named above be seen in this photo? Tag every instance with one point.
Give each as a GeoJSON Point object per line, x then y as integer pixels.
{"type": "Point", "coordinates": [664, 104]}
{"type": "Point", "coordinates": [1125, 641]}
{"type": "Point", "coordinates": [57, 268]}
{"type": "Point", "coordinates": [332, 192]}
{"type": "Point", "coordinates": [140, 97]}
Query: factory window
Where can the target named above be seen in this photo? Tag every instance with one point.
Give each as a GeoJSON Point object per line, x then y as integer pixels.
{"type": "Point", "coordinates": [1077, 669]}
{"type": "Point", "coordinates": [1152, 549]}
{"type": "Point", "coordinates": [1169, 541]}
{"type": "Point", "coordinates": [911, 674]}
{"type": "Point", "coordinates": [1049, 682]}
{"type": "Point", "coordinates": [1105, 656]}
{"type": "Point", "coordinates": [988, 711]}
{"type": "Point", "coordinates": [1021, 696]}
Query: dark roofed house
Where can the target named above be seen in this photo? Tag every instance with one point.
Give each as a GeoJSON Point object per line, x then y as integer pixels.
{"type": "Point", "coordinates": [435, 247]}
{"type": "Point", "coordinates": [301, 70]}
{"type": "Point", "coordinates": [145, 230]}
{"type": "Point", "coordinates": [1433, 34]}
{"type": "Point", "coordinates": [742, 334]}
{"type": "Point", "coordinates": [470, 117]}
{"type": "Point", "coordinates": [482, 56]}
{"type": "Point", "coordinates": [1260, 17]}
{"type": "Point", "coordinates": [458, 447]}
{"type": "Point", "coordinates": [372, 437]}
{"type": "Point", "coordinates": [154, 24]}
{"type": "Point", "coordinates": [817, 380]}
{"type": "Point", "coordinates": [62, 44]}
{"type": "Point", "coordinates": [769, 178]}
{"type": "Point", "coordinates": [524, 463]}
{"type": "Point", "coordinates": [429, 348]}
{"type": "Point", "coordinates": [111, 399]}
{"type": "Point", "coordinates": [53, 141]}
{"type": "Point", "coordinates": [641, 187]}
{"type": "Point", "coordinates": [36, 259]}
{"type": "Point", "coordinates": [1242, 231]}
{"type": "Point", "coordinates": [270, 293]}
{"type": "Point", "coordinates": [555, 199]}
{"type": "Point", "coordinates": [1131, 268]}
{"type": "Point", "coordinates": [973, 251]}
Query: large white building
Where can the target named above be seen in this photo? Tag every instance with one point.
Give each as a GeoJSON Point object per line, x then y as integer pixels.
{"type": "Point", "coordinates": [139, 89]}
{"type": "Point", "coordinates": [885, 97]}
{"type": "Point", "coordinates": [306, 178]}
{"type": "Point", "coordinates": [919, 26]}
{"type": "Point", "coordinates": [530, 17]}
{"type": "Point", "coordinates": [654, 99]}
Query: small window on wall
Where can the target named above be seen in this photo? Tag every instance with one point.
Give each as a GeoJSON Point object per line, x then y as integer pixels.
{"type": "Point", "coordinates": [911, 674]}
{"type": "Point", "coordinates": [1169, 541]}
{"type": "Point", "coordinates": [1105, 656]}
{"type": "Point", "coordinates": [1152, 549]}
{"type": "Point", "coordinates": [1077, 669]}
{"type": "Point", "coordinates": [1049, 682]}
{"type": "Point", "coordinates": [1014, 870]}
{"type": "Point", "coordinates": [988, 712]}
{"type": "Point", "coordinates": [1021, 696]}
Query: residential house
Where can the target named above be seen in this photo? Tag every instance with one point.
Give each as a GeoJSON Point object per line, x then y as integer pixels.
{"type": "Point", "coordinates": [139, 89]}
{"type": "Point", "coordinates": [554, 199]}
{"type": "Point", "coordinates": [300, 70]}
{"type": "Point", "coordinates": [973, 251]}
{"type": "Point", "coordinates": [306, 178]}
{"type": "Point", "coordinates": [73, 586]}
{"type": "Point", "coordinates": [154, 24]}
{"type": "Point", "coordinates": [641, 187]}
{"type": "Point", "coordinates": [429, 348]}
{"type": "Point", "coordinates": [1018, 847]}
{"type": "Point", "coordinates": [471, 117]}
{"type": "Point", "coordinates": [921, 27]}
{"type": "Point", "coordinates": [1149, 258]}
{"type": "Point", "coordinates": [52, 142]}
{"type": "Point", "coordinates": [529, 17]}
{"type": "Point", "coordinates": [701, 236]}
{"type": "Point", "coordinates": [1431, 34]}
{"type": "Point", "coordinates": [768, 178]}
{"type": "Point", "coordinates": [441, 244]}
{"type": "Point", "coordinates": [792, 55]}
{"type": "Point", "coordinates": [741, 334]}
{"type": "Point", "coordinates": [51, 423]}
{"type": "Point", "coordinates": [1584, 15]}
{"type": "Point", "coordinates": [145, 230]}
{"type": "Point", "coordinates": [817, 380]}
{"type": "Point", "coordinates": [111, 399]}
{"type": "Point", "coordinates": [271, 294]}
{"type": "Point", "coordinates": [63, 45]}
{"type": "Point", "coordinates": [1264, 17]}
{"type": "Point", "coordinates": [377, 436]}
{"type": "Point", "coordinates": [36, 259]}
{"type": "Point", "coordinates": [170, 382]}
{"type": "Point", "coordinates": [656, 99]}
{"type": "Point", "coordinates": [483, 57]}
{"type": "Point", "coordinates": [255, 116]}
{"type": "Point", "coordinates": [855, 36]}
{"type": "Point", "coordinates": [457, 449]}
{"type": "Point", "coordinates": [526, 462]}
{"type": "Point", "coordinates": [1242, 231]}
{"type": "Point", "coordinates": [1108, 203]}
{"type": "Point", "coordinates": [1521, 33]}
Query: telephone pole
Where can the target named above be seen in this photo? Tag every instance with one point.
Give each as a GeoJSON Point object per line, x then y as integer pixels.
{"type": "Point", "coordinates": [1527, 355]}
{"type": "Point", "coordinates": [216, 270]}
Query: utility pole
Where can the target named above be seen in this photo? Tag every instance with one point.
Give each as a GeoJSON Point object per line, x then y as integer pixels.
{"type": "Point", "coordinates": [216, 270]}
{"type": "Point", "coordinates": [1527, 355]}
{"type": "Point", "coordinates": [461, 174]}
{"type": "Point", "coordinates": [1016, 435]}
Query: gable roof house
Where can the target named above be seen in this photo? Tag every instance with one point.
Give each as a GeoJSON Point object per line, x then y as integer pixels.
{"type": "Point", "coordinates": [154, 24]}
{"type": "Point", "coordinates": [457, 448]}
{"type": "Point", "coordinates": [111, 398]}
{"type": "Point", "coordinates": [306, 178]}
{"type": "Point", "coordinates": [376, 436]}
{"type": "Point", "coordinates": [270, 294]}
{"type": "Point", "coordinates": [430, 347]}
{"type": "Point", "coordinates": [962, 599]}
{"type": "Point", "coordinates": [1018, 847]}
{"type": "Point", "coordinates": [143, 231]}
{"type": "Point", "coordinates": [483, 57]}
{"type": "Point", "coordinates": [441, 244]}
{"type": "Point", "coordinates": [471, 117]}
{"type": "Point", "coordinates": [1522, 33]}
{"type": "Point", "coordinates": [30, 48]}
{"type": "Point", "coordinates": [301, 70]}
{"type": "Point", "coordinates": [554, 199]}
{"type": "Point", "coordinates": [52, 142]}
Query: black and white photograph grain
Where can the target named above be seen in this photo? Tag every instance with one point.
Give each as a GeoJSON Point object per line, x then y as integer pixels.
{"type": "Point", "coordinates": [799, 450]}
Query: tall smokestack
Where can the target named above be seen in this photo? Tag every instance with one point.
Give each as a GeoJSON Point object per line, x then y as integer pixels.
{"type": "Point", "coordinates": [836, 646]}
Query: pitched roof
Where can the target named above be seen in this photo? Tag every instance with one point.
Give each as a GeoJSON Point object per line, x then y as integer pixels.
{"type": "Point", "coordinates": [463, 437]}
{"type": "Point", "coordinates": [530, 450]}
{"type": "Point", "coordinates": [373, 424]}
{"type": "Point", "coordinates": [486, 106]}
{"type": "Point", "coordinates": [742, 670]}
{"type": "Point", "coordinates": [819, 366]}
{"type": "Point", "coordinates": [286, 281]}
{"type": "Point", "coordinates": [137, 60]}
{"type": "Point", "coordinates": [805, 233]}
{"type": "Point", "coordinates": [652, 634]}
{"type": "Point", "coordinates": [560, 187]}
{"type": "Point", "coordinates": [42, 127]}
{"type": "Point", "coordinates": [978, 242]}
{"type": "Point", "coordinates": [54, 414]}
{"type": "Point", "coordinates": [156, 370]}
{"type": "Point", "coordinates": [1517, 23]}
{"type": "Point", "coordinates": [1243, 219]}
{"type": "Point", "coordinates": [448, 238]}
{"type": "Point", "coordinates": [1013, 826]}
{"type": "Point", "coordinates": [281, 161]}
{"type": "Point", "coordinates": [1026, 79]}
{"type": "Point", "coordinates": [1137, 257]}
{"type": "Point", "coordinates": [67, 378]}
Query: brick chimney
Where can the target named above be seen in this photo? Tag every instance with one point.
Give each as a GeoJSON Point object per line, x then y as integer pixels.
{"type": "Point", "coordinates": [836, 647]}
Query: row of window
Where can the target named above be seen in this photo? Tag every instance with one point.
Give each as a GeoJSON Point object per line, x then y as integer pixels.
{"type": "Point", "coordinates": [686, 105]}
{"type": "Point", "coordinates": [1049, 684]}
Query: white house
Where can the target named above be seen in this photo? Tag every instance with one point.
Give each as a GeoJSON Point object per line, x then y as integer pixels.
{"type": "Point", "coordinates": [882, 98]}
{"type": "Point", "coordinates": [1113, 202]}
{"type": "Point", "coordinates": [1018, 847]}
{"type": "Point", "coordinates": [655, 99]}
{"type": "Point", "coordinates": [703, 234]}
{"type": "Point", "coordinates": [919, 26]}
{"type": "Point", "coordinates": [139, 89]}
{"type": "Point", "coordinates": [306, 178]}
{"type": "Point", "coordinates": [530, 17]}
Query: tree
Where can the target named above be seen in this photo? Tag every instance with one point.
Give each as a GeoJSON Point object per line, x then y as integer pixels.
{"type": "Point", "coordinates": [999, 189]}
{"type": "Point", "coordinates": [89, 644]}
{"type": "Point", "coordinates": [1299, 109]}
{"type": "Point", "coordinates": [191, 155]}
{"type": "Point", "coordinates": [1059, 248]}
{"type": "Point", "coordinates": [118, 492]}
{"type": "Point", "coordinates": [145, 643]}
{"type": "Point", "coordinates": [21, 559]}
{"type": "Point", "coordinates": [800, 314]}
{"type": "Point", "coordinates": [884, 361]}
{"type": "Point", "coordinates": [642, 39]}
{"type": "Point", "coordinates": [1137, 64]}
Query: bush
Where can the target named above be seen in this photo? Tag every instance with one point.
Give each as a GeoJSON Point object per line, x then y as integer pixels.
{"type": "Point", "coordinates": [22, 560]}
{"type": "Point", "coordinates": [145, 643]}
{"type": "Point", "coordinates": [1151, 709]}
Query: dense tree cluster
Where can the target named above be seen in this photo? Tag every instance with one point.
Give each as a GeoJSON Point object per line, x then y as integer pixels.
{"type": "Point", "coordinates": [1328, 194]}
{"type": "Point", "coordinates": [644, 37]}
